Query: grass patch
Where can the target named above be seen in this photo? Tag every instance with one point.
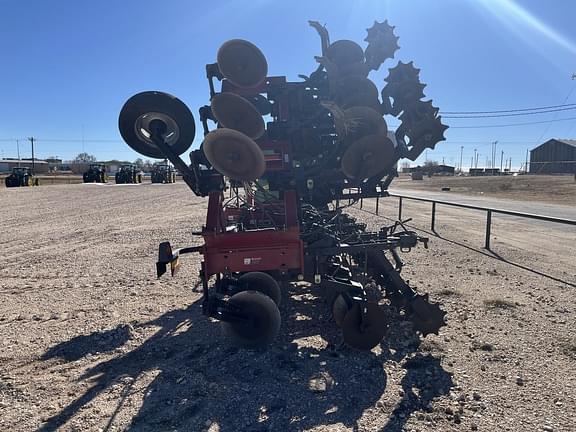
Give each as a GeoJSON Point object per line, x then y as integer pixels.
{"type": "Point", "coordinates": [499, 304]}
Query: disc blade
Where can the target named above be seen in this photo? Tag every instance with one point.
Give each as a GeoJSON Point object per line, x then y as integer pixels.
{"type": "Point", "coordinates": [364, 332]}
{"type": "Point", "coordinates": [142, 109]}
{"type": "Point", "coordinates": [356, 91]}
{"type": "Point", "coordinates": [361, 121]}
{"type": "Point", "coordinates": [242, 63]}
{"type": "Point", "coordinates": [345, 52]}
{"type": "Point", "coordinates": [235, 112]}
{"type": "Point", "coordinates": [234, 155]}
{"type": "Point", "coordinates": [426, 317]}
{"type": "Point", "coordinates": [367, 157]}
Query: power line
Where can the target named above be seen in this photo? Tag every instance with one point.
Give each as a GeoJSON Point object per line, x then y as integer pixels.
{"type": "Point", "coordinates": [512, 124]}
{"type": "Point", "coordinates": [508, 115]}
{"type": "Point", "coordinates": [510, 110]}
{"type": "Point", "coordinates": [555, 115]}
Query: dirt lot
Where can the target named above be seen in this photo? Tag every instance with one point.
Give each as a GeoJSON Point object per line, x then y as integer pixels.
{"type": "Point", "coordinates": [91, 341]}
{"type": "Point", "coordinates": [559, 189]}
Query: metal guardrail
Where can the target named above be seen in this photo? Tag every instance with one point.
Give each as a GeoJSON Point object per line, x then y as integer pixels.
{"type": "Point", "coordinates": [489, 211]}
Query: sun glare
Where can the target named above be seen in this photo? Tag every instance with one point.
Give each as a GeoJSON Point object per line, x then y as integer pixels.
{"type": "Point", "coordinates": [518, 20]}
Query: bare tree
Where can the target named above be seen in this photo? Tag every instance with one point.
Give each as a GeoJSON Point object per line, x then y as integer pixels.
{"type": "Point", "coordinates": [430, 163]}
{"type": "Point", "coordinates": [84, 158]}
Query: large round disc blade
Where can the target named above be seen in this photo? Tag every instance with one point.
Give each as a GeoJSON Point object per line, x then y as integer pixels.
{"type": "Point", "coordinates": [356, 91]}
{"type": "Point", "coordinates": [344, 52]}
{"type": "Point", "coordinates": [242, 63]}
{"type": "Point", "coordinates": [234, 155]}
{"type": "Point", "coordinates": [141, 109]}
{"type": "Point", "coordinates": [367, 156]}
{"type": "Point", "coordinates": [262, 320]}
{"type": "Point", "coordinates": [364, 333]}
{"type": "Point", "coordinates": [235, 112]}
{"type": "Point", "coordinates": [261, 282]}
{"type": "Point", "coordinates": [362, 121]}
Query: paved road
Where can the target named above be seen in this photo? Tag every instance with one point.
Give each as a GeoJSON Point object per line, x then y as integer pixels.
{"type": "Point", "coordinates": [554, 210]}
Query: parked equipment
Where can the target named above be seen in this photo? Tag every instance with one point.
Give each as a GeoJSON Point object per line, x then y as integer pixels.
{"type": "Point", "coordinates": [96, 174]}
{"type": "Point", "coordinates": [128, 173]}
{"type": "Point", "coordinates": [163, 173]}
{"type": "Point", "coordinates": [21, 176]}
{"type": "Point", "coordinates": [281, 217]}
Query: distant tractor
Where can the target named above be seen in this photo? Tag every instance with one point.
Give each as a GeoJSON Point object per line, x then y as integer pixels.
{"type": "Point", "coordinates": [21, 177]}
{"type": "Point", "coordinates": [96, 174]}
{"type": "Point", "coordinates": [128, 173]}
{"type": "Point", "coordinates": [163, 173]}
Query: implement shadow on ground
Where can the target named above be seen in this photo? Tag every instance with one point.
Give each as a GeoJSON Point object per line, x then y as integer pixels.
{"type": "Point", "coordinates": [203, 380]}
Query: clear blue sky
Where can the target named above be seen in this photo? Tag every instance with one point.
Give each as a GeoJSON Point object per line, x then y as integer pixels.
{"type": "Point", "coordinates": [68, 66]}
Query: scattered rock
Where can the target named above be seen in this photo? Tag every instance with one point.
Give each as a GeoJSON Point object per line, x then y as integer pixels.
{"type": "Point", "coordinates": [320, 382]}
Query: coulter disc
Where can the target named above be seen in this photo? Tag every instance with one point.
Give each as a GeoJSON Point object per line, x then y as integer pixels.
{"type": "Point", "coordinates": [426, 317]}
{"type": "Point", "coordinates": [364, 333]}
{"type": "Point", "coordinates": [262, 320]}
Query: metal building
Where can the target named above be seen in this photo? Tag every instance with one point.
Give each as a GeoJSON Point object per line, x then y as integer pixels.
{"type": "Point", "coordinates": [555, 156]}
{"type": "Point", "coordinates": [40, 166]}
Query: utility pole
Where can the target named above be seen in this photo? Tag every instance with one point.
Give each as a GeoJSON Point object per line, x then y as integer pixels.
{"type": "Point", "coordinates": [494, 154]}
{"type": "Point", "coordinates": [501, 160]}
{"type": "Point", "coordinates": [32, 139]}
{"type": "Point", "coordinates": [526, 166]}
{"type": "Point", "coordinates": [18, 150]}
{"type": "Point", "coordinates": [491, 153]}
{"type": "Point", "coordinates": [475, 159]}
{"type": "Point", "coordinates": [461, 150]}
{"type": "Point", "coordinates": [471, 162]}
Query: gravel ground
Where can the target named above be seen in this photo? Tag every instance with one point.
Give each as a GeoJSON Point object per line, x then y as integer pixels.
{"type": "Point", "coordinates": [92, 341]}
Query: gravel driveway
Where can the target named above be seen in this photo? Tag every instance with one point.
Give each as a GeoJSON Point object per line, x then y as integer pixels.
{"type": "Point", "coordinates": [91, 341]}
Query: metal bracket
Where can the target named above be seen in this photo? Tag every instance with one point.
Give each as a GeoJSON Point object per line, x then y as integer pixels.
{"type": "Point", "coordinates": [167, 256]}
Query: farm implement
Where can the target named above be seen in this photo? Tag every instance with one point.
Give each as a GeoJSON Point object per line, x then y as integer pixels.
{"type": "Point", "coordinates": [275, 189]}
